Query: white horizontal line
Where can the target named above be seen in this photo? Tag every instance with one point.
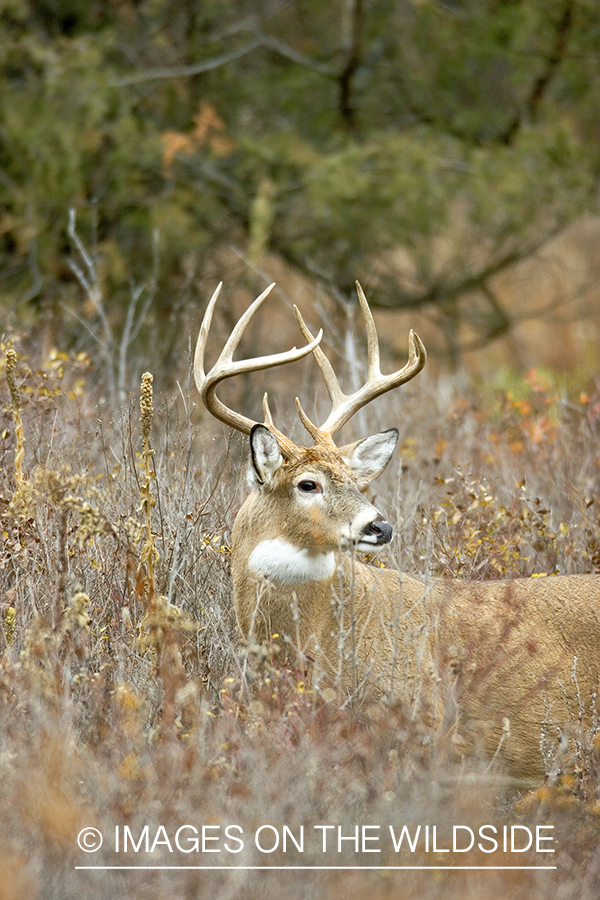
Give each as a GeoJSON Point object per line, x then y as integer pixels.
{"type": "Point", "coordinates": [337, 868]}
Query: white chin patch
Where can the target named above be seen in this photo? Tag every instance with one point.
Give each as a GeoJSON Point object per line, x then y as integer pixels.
{"type": "Point", "coordinates": [290, 565]}
{"type": "Point", "coordinates": [366, 545]}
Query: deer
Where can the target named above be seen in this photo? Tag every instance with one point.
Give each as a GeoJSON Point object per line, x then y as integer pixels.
{"type": "Point", "coordinates": [507, 670]}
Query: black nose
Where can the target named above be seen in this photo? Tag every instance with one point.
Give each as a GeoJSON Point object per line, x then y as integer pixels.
{"type": "Point", "coordinates": [382, 531]}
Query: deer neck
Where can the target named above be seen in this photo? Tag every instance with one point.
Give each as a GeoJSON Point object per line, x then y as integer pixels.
{"type": "Point", "coordinates": [282, 562]}
{"type": "Point", "coordinates": [263, 547]}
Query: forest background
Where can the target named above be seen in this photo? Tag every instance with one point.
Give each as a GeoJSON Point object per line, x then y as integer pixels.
{"type": "Point", "coordinates": [446, 154]}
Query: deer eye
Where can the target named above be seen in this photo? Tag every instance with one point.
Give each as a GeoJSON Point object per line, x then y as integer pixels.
{"type": "Point", "coordinates": [309, 487]}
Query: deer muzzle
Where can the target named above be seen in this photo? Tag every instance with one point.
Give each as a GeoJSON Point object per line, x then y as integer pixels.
{"type": "Point", "coordinates": [376, 533]}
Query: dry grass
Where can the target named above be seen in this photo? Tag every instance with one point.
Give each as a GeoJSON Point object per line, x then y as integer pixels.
{"type": "Point", "coordinates": [127, 700]}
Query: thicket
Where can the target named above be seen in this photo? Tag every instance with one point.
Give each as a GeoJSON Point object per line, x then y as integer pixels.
{"type": "Point", "coordinates": [421, 147]}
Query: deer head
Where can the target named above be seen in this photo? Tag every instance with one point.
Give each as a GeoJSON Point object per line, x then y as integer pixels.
{"type": "Point", "coordinates": [311, 495]}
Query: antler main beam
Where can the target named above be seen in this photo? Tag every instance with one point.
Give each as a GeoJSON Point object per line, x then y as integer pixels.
{"type": "Point", "coordinates": [344, 406]}
{"type": "Point", "coordinates": [226, 367]}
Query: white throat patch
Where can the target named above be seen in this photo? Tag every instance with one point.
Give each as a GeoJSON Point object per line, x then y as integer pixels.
{"type": "Point", "coordinates": [290, 565]}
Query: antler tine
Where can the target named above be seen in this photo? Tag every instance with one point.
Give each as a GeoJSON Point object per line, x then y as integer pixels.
{"type": "Point", "coordinates": [344, 406]}
{"type": "Point", "coordinates": [316, 434]}
{"type": "Point", "coordinates": [202, 337]}
{"type": "Point", "coordinates": [331, 382]}
{"type": "Point", "coordinates": [225, 367]}
{"type": "Point", "coordinates": [240, 326]}
{"type": "Point", "coordinates": [287, 446]}
{"type": "Point", "coordinates": [373, 368]}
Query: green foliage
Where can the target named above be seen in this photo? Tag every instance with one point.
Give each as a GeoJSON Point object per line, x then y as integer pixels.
{"type": "Point", "coordinates": [461, 134]}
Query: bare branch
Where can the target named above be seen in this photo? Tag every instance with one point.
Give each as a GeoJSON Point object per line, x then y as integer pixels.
{"type": "Point", "coordinates": [294, 56]}
{"type": "Point", "coordinates": [187, 71]}
{"type": "Point", "coordinates": [260, 39]}
{"type": "Point", "coordinates": [353, 59]}
{"type": "Point", "coordinates": [540, 85]}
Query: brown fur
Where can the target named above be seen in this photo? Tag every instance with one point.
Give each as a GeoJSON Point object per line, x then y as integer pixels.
{"type": "Point", "coordinates": [492, 662]}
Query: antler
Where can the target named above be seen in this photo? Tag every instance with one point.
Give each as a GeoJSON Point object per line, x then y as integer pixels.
{"type": "Point", "coordinates": [225, 367]}
{"type": "Point", "coordinates": [344, 406]}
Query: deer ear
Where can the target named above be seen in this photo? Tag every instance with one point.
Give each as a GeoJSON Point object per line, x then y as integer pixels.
{"type": "Point", "coordinates": [369, 457]}
{"type": "Point", "coordinates": [266, 455]}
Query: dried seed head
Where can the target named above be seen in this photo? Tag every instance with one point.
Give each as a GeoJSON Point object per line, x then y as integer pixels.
{"type": "Point", "coordinates": [9, 369]}
{"type": "Point", "coordinates": [9, 624]}
{"type": "Point", "coordinates": [76, 612]}
{"type": "Point", "coordinates": [146, 408]}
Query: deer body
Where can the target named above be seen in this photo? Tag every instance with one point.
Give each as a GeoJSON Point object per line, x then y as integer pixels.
{"type": "Point", "coordinates": [524, 653]}
{"type": "Point", "coordinates": [500, 664]}
{"type": "Point", "coordinates": [509, 669]}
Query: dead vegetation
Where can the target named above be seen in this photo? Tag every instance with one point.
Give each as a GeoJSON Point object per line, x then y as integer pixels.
{"type": "Point", "coordinates": [126, 699]}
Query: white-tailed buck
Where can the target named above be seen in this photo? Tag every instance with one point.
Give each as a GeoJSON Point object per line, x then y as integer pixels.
{"type": "Point", "coordinates": [509, 668]}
